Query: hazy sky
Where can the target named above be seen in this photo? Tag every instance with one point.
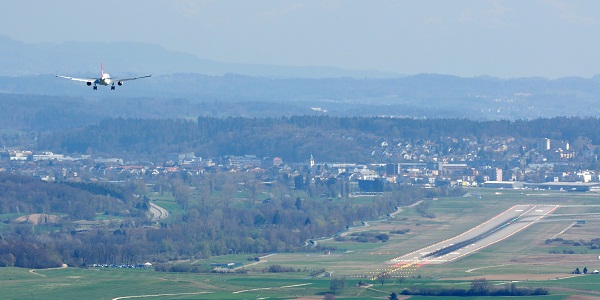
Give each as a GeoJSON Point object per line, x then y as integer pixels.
{"type": "Point", "coordinates": [513, 38]}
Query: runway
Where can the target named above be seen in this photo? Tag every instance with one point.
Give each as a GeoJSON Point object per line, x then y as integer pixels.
{"type": "Point", "coordinates": [492, 231]}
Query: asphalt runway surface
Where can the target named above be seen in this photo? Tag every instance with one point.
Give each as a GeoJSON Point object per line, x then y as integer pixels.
{"type": "Point", "coordinates": [498, 228]}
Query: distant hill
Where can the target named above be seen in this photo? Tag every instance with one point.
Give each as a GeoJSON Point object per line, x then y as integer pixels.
{"type": "Point", "coordinates": [84, 58]}
{"type": "Point", "coordinates": [28, 69]}
{"type": "Point", "coordinates": [426, 95]}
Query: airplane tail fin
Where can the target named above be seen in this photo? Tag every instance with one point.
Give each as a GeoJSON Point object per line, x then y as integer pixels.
{"type": "Point", "coordinates": [101, 70]}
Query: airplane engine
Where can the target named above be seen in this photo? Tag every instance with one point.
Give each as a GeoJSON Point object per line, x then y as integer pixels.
{"type": "Point", "coordinates": [89, 83]}
{"type": "Point", "coordinates": [120, 83]}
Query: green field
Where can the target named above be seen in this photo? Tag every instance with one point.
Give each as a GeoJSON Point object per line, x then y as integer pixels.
{"type": "Point", "coordinates": [525, 257]}
{"type": "Point", "coordinates": [75, 283]}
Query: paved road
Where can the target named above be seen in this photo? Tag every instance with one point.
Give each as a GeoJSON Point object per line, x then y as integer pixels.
{"type": "Point", "coordinates": [157, 212]}
{"type": "Point", "coordinates": [494, 230]}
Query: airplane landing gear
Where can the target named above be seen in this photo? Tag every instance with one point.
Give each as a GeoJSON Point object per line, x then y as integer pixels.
{"type": "Point", "coordinates": [95, 87]}
{"type": "Point", "coordinates": [112, 87]}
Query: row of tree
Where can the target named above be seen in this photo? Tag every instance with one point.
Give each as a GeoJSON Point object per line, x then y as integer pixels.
{"type": "Point", "coordinates": [479, 287]}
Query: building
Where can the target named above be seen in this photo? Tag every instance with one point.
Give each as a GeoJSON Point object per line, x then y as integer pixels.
{"type": "Point", "coordinates": [244, 161]}
{"type": "Point", "coordinates": [392, 169]}
{"type": "Point", "coordinates": [502, 184]}
{"type": "Point", "coordinates": [564, 186]}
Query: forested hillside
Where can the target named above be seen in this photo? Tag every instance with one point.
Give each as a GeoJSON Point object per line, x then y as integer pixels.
{"type": "Point", "coordinates": [48, 215]}
{"type": "Point", "coordinates": [296, 138]}
{"type": "Point", "coordinates": [27, 195]}
{"type": "Point", "coordinates": [211, 221]}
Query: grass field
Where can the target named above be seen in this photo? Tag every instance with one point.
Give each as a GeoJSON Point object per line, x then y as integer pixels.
{"type": "Point", "coordinates": [73, 283]}
{"type": "Point", "coordinates": [525, 257]}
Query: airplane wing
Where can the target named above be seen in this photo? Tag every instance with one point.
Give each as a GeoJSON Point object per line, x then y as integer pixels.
{"type": "Point", "coordinates": [127, 79]}
{"type": "Point", "coordinates": [78, 79]}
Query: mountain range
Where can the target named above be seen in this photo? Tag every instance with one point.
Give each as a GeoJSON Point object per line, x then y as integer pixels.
{"type": "Point", "coordinates": [80, 58]}
{"type": "Point", "coordinates": [28, 69]}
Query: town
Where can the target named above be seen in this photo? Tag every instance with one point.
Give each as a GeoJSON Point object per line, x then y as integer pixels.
{"type": "Point", "coordinates": [494, 162]}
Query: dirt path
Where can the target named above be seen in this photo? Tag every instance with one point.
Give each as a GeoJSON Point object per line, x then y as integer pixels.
{"type": "Point", "coordinates": [35, 273]}
{"type": "Point", "coordinates": [271, 288]}
{"type": "Point", "coordinates": [563, 231]}
{"type": "Point", "coordinates": [514, 277]}
{"type": "Point", "coordinates": [255, 263]}
{"type": "Point", "coordinates": [32, 271]}
{"type": "Point", "coordinates": [160, 295]}
{"type": "Point", "coordinates": [486, 267]}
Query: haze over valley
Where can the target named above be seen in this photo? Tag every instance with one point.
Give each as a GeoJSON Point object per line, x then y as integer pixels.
{"type": "Point", "coordinates": [292, 91]}
{"type": "Point", "coordinates": [299, 149]}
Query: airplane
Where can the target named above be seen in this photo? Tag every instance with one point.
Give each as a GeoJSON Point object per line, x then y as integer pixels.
{"type": "Point", "coordinates": [104, 79]}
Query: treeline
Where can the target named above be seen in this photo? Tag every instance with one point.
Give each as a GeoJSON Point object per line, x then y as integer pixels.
{"type": "Point", "coordinates": [280, 224]}
{"type": "Point", "coordinates": [479, 288]}
{"type": "Point", "coordinates": [54, 238]}
{"type": "Point", "coordinates": [28, 195]}
{"type": "Point", "coordinates": [296, 138]}
{"type": "Point", "coordinates": [591, 244]}
{"type": "Point", "coordinates": [21, 253]}
{"type": "Point", "coordinates": [105, 189]}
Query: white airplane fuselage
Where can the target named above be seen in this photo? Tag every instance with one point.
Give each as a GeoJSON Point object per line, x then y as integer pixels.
{"type": "Point", "coordinates": [103, 80]}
